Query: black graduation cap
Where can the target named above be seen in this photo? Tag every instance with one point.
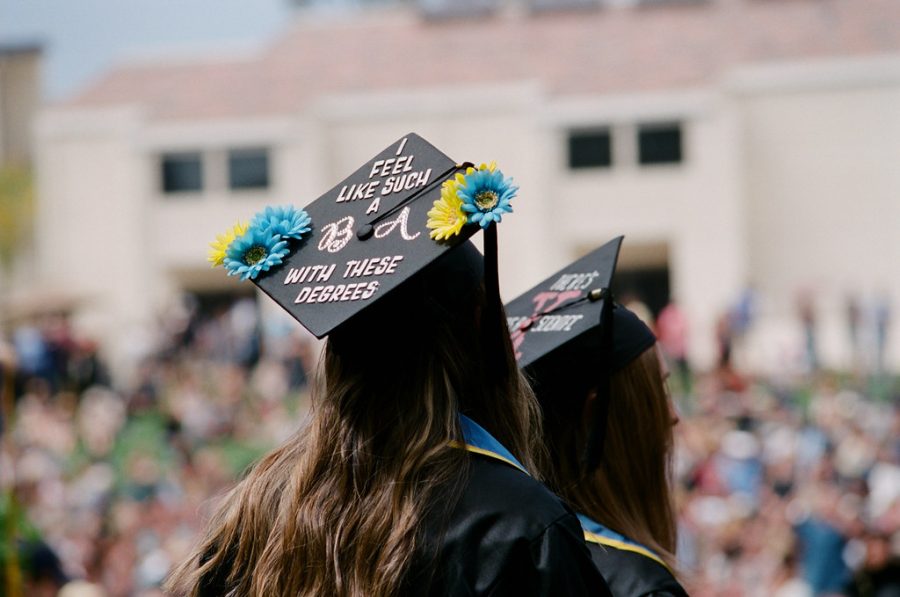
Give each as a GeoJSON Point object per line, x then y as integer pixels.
{"type": "Point", "coordinates": [368, 236]}
{"type": "Point", "coordinates": [564, 307]}
{"type": "Point", "coordinates": [569, 325]}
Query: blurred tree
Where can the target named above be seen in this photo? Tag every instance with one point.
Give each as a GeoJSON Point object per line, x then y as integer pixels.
{"type": "Point", "coordinates": [16, 211]}
{"type": "Point", "coordinates": [16, 532]}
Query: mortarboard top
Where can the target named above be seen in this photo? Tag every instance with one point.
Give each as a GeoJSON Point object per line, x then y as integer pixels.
{"type": "Point", "coordinates": [394, 217]}
{"type": "Point", "coordinates": [368, 236]}
{"type": "Point", "coordinates": [564, 307]}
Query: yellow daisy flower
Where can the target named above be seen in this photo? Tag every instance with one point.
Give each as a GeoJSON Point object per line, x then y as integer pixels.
{"type": "Point", "coordinates": [446, 218]}
{"type": "Point", "coordinates": [223, 241]}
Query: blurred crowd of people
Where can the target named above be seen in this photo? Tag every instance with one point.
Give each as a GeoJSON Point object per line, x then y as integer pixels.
{"type": "Point", "coordinates": [789, 490]}
{"type": "Point", "coordinates": [787, 487]}
{"type": "Point", "coordinates": [111, 484]}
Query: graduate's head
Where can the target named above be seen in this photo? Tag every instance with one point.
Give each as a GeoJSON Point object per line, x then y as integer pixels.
{"type": "Point", "coordinates": [433, 319]}
{"type": "Point", "coordinates": [596, 371]}
{"type": "Point", "coordinates": [567, 379]}
{"type": "Point", "coordinates": [428, 327]}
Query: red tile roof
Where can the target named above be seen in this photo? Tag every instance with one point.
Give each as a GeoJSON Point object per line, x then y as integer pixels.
{"type": "Point", "coordinates": [593, 51]}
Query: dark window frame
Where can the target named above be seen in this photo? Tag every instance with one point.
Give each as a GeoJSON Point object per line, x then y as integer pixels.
{"type": "Point", "coordinates": [660, 144]}
{"type": "Point", "coordinates": [547, 6]}
{"type": "Point", "coordinates": [589, 148]}
{"type": "Point", "coordinates": [253, 181]}
{"type": "Point", "coordinates": [175, 182]}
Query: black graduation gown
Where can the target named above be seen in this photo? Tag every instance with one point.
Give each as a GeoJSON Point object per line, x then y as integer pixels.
{"type": "Point", "coordinates": [633, 571]}
{"type": "Point", "coordinates": [506, 535]}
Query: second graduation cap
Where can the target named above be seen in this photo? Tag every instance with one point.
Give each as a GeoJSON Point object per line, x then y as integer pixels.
{"type": "Point", "coordinates": [564, 307]}
{"type": "Point", "coordinates": [391, 218]}
{"type": "Point", "coordinates": [568, 327]}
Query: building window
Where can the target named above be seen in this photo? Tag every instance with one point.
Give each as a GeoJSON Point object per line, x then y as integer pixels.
{"type": "Point", "coordinates": [248, 169]}
{"type": "Point", "coordinates": [659, 144]}
{"type": "Point", "coordinates": [590, 149]}
{"type": "Point", "coordinates": [454, 9]}
{"type": "Point", "coordinates": [663, 2]}
{"type": "Point", "coordinates": [560, 5]}
{"type": "Point", "coordinates": [181, 172]}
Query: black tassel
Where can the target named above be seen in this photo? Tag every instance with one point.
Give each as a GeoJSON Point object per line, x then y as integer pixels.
{"type": "Point", "coordinates": [492, 319]}
{"type": "Point", "coordinates": [593, 455]}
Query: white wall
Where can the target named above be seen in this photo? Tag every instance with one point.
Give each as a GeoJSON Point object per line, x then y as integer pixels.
{"type": "Point", "coordinates": [823, 193]}
{"type": "Point", "coordinates": [92, 238]}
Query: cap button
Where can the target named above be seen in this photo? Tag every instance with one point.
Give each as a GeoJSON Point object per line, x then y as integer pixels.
{"type": "Point", "coordinates": [364, 231]}
{"type": "Point", "coordinates": [595, 295]}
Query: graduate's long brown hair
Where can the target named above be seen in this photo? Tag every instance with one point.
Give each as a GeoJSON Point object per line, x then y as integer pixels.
{"type": "Point", "coordinates": [339, 508]}
{"type": "Point", "coordinates": [630, 492]}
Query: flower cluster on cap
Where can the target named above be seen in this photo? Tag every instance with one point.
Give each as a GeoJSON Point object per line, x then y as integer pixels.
{"type": "Point", "coordinates": [248, 249]}
{"type": "Point", "coordinates": [480, 196]}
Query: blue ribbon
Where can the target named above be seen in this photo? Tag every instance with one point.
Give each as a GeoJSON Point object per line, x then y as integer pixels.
{"type": "Point", "coordinates": [595, 532]}
{"type": "Point", "coordinates": [477, 439]}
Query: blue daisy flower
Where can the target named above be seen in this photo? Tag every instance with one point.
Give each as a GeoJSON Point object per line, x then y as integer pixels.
{"type": "Point", "coordinates": [486, 195]}
{"type": "Point", "coordinates": [255, 251]}
{"type": "Point", "coordinates": [286, 221]}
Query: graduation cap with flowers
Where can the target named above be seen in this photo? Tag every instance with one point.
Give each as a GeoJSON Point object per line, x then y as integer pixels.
{"type": "Point", "coordinates": [569, 329]}
{"type": "Point", "coordinates": [391, 218]}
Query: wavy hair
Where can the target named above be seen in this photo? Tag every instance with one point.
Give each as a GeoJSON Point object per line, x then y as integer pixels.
{"type": "Point", "coordinates": [339, 508]}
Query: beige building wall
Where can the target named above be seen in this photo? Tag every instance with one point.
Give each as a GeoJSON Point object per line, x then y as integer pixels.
{"type": "Point", "coordinates": [788, 179]}
{"type": "Point", "coordinates": [822, 155]}
{"type": "Point", "coordinates": [92, 237]}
